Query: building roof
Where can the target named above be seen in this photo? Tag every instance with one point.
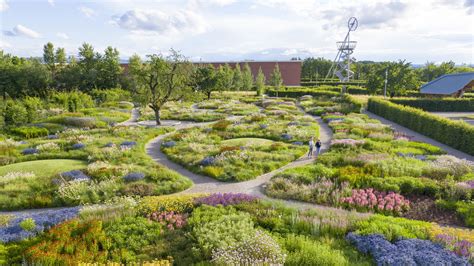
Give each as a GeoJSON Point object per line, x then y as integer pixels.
{"type": "Point", "coordinates": [448, 84]}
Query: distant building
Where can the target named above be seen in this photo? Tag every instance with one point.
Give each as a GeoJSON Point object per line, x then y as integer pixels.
{"type": "Point", "coordinates": [454, 85]}
{"type": "Point", "coordinates": [290, 70]}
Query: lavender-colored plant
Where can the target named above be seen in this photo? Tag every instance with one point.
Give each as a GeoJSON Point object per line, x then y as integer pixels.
{"type": "Point", "coordinates": [43, 221]}
{"type": "Point", "coordinates": [225, 199]}
{"type": "Point", "coordinates": [405, 251]}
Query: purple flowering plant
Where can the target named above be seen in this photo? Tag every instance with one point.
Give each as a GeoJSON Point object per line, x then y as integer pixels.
{"type": "Point", "coordinates": [225, 199]}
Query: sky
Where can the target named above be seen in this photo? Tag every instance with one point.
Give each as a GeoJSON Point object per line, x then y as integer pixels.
{"type": "Point", "coordinates": [212, 30]}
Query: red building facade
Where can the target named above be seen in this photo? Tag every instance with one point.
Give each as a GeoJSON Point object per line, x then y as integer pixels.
{"type": "Point", "coordinates": [290, 70]}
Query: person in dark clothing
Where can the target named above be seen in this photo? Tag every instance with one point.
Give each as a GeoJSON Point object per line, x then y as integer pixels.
{"type": "Point", "coordinates": [318, 147]}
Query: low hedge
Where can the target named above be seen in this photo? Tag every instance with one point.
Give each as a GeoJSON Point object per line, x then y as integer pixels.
{"type": "Point", "coordinates": [301, 92]}
{"type": "Point", "coordinates": [29, 132]}
{"type": "Point", "coordinates": [438, 104]}
{"type": "Point", "coordinates": [456, 134]}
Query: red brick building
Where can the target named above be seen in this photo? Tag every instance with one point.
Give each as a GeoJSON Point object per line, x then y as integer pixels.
{"type": "Point", "coordinates": [290, 70]}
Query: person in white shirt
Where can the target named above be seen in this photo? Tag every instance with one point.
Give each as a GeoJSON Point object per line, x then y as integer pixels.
{"type": "Point", "coordinates": [311, 147]}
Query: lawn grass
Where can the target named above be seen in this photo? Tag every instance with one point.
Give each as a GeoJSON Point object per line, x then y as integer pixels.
{"type": "Point", "coordinates": [43, 168]}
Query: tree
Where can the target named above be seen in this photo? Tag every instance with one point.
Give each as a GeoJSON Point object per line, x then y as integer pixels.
{"type": "Point", "coordinates": [275, 78]}
{"type": "Point", "coordinates": [314, 68]}
{"type": "Point", "coordinates": [205, 80]}
{"type": "Point", "coordinates": [88, 60]}
{"type": "Point", "coordinates": [49, 58]}
{"type": "Point", "coordinates": [260, 82]}
{"type": "Point", "coordinates": [237, 82]}
{"type": "Point", "coordinates": [163, 79]}
{"type": "Point", "coordinates": [225, 77]}
{"type": "Point", "coordinates": [401, 77]}
{"type": "Point", "coordinates": [110, 70]}
{"type": "Point", "coordinates": [247, 78]}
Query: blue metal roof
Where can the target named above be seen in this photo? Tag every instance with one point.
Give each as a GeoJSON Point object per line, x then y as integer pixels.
{"type": "Point", "coordinates": [447, 84]}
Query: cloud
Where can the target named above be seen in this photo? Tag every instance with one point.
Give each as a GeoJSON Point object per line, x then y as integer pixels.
{"type": "Point", "coordinates": [369, 15]}
{"type": "Point", "coordinates": [216, 2]}
{"type": "Point", "coordinates": [51, 2]}
{"type": "Point", "coordinates": [20, 30]}
{"type": "Point", "coordinates": [62, 35]}
{"type": "Point", "coordinates": [4, 44]}
{"type": "Point", "coordinates": [153, 21]}
{"type": "Point", "coordinates": [469, 4]}
{"type": "Point", "coordinates": [3, 5]}
{"type": "Point", "coordinates": [87, 11]}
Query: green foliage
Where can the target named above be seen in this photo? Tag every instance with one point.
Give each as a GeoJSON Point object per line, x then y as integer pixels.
{"type": "Point", "coordinates": [33, 106]}
{"type": "Point", "coordinates": [260, 82]}
{"type": "Point", "coordinates": [401, 77]}
{"type": "Point", "coordinates": [28, 224]}
{"type": "Point", "coordinates": [131, 236]}
{"type": "Point", "coordinates": [15, 113]}
{"type": "Point", "coordinates": [304, 251]}
{"type": "Point", "coordinates": [438, 104]}
{"type": "Point", "coordinates": [71, 101]}
{"type": "Point", "coordinates": [219, 227]}
{"type": "Point", "coordinates": [276, 79]}
{"type": "Point", "coordinates": [29, 132]}
{"type": "Point", "coordinates": [393, 228]}
{"type": "Point", "coordinates": [110, 95]}
{"type": "Point", "coordinates": [456, 134]}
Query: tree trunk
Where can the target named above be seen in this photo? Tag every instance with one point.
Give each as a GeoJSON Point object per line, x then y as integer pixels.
{"type": "Point", "coordinates": [209, 95]}
{"type": "Point", "coordinates": [157, 116]}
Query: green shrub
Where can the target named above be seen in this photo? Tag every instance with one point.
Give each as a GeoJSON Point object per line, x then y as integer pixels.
{"type": "Point", "coordinates": [405, 185]}
{"type": "Point", "coordinates": [28, 224]}
{"type": "Point", "coordinates": [456, 134]}
{"type": "Point", "coordinates": [438, 104]}
{"type": "Point", "coordinates": [131, 236]}
{"type": "Point", "coordinates": [15, 113]}
{"type": "Point", "coordinates": [29, 132]}
{"type": "Point", "coordinates": [72, 101]}
{"type": "Point", "coordinates": [32, 105]}
{"type": "Point", "coordinates": [393, 227]}
{"type": "Point", "coordinates": [110, 95]}
{"type": "Point", "coordinates": [305, 251]}
{"type": "Point", "coordinates": [219, 227]}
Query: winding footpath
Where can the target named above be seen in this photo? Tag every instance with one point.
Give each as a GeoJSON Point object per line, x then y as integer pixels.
{"type": "Point", "coordinates": [204, 184]}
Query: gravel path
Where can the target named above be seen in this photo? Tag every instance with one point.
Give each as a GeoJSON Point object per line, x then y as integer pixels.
{"type": "Point", "coordinates": [204, 184]}
{"type": "Point", "coordinates": [421, 138]}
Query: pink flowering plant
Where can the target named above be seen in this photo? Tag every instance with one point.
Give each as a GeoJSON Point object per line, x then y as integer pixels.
{"type": "Point", "coordinates": [170, 220]}
{"type": "Point", "coordinates": [347, 142]}
{"type": "Point", "coordinates": [372, 200]}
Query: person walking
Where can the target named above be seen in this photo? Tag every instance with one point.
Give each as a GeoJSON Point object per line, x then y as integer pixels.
{"type": "Point", "coordinates": [311, 147]}
{"type": "Point", "coordinates": [318, 147]}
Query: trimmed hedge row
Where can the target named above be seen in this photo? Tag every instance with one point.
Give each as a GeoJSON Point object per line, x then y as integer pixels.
{"type": "Point", "coordinates": [438, 104]}
{"type": "Point", "coordinates": [456, 134]}
{"type": "Point", "coordinates": [301, 92]}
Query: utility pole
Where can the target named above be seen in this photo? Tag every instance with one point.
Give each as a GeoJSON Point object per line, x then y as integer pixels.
{"type": "Point", "coordinates": [386, 81]}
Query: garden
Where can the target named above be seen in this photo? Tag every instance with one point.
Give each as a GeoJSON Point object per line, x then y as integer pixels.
{"type": "Point", "coordinates": [244, 148]}
{"type": "Point", "coordinates": [219, 229]}
{"type": "Point", "coordinates": [369, 167]}
{"type": "Point", "coordinates": [398, 202]}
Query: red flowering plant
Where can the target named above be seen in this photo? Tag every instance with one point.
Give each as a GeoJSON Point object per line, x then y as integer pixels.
{"type": "Point", "coordinates": [372, 200]}
{"type": "Point", "coordinates": [169, 219]}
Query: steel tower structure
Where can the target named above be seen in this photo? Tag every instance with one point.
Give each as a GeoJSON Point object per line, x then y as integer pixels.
{"type": "Point", "coordinates": [341, 67]}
